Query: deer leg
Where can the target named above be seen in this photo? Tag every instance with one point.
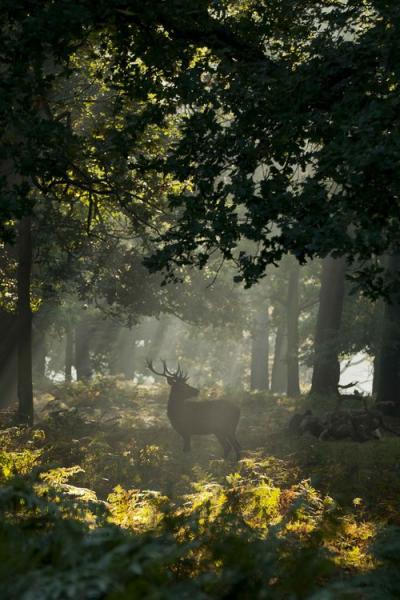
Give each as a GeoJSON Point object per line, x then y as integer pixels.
{"type": "Point", "coordinates": [186, 443]}
{"type": "Point", "coordinates": [235, 444]}
{"type": "Point", "coordinates": [225, 443]}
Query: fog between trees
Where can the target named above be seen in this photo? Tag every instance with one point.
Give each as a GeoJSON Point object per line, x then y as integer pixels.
{"type": "Point", "coordinates": [214, 185]}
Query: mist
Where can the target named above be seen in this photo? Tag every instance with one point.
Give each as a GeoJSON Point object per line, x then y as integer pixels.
{"type": "Point", "coordinates": [199, 300]}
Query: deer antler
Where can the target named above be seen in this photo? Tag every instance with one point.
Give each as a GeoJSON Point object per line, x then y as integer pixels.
{"type": "Point", "coordinates": [181, 375]}
{"type": "Point", "coordinates": [164, 362]}
{"type": "Point", "coordinates": [178, 375]}
{"type": "Point", "coordinates": [152, 369]}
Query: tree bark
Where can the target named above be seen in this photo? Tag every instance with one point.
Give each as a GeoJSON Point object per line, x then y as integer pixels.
{"type": "Point", "coordinates": [326, 372]}
{"type": "Point", "coordinates": [377, 341]}
{"type": "Point", "coordinates": [24, 315]}
{"type": "Point", "coordinates": [8, 358]}
{"type": "Point", "coordinates": [259, 376]}
{"type": "Point", "coordinates": [40, 325]}
{"type": "Point", "coordinates": [279, 367]}
{"type": "Point", "coordinates": [388, 362]}
{"type": "Point", "coordinates": [293, 377]}
{"type": "Point", "coordinates": [375, 376]}
{"type": "Point", "coordinates": [112, 340]}
{"type": "Point", "coordinates": [69, 353]}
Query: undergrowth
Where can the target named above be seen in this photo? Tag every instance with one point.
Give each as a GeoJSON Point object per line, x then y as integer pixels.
{"type": "Point", "coordinates": [98, 501]}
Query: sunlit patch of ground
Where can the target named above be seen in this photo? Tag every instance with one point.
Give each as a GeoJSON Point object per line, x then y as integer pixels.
{"type": "Point", "coordinates": [121, 432]}
{"type": "Point", "coordinates": [317, 505]}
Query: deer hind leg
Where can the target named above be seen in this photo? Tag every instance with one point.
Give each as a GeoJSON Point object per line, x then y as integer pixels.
{"type": "Point", "coordinates": [235, 444]}
{"type": "Point", "coordinates": [225, 443]}
{"type": "Point", "coordinates": [186, 443]}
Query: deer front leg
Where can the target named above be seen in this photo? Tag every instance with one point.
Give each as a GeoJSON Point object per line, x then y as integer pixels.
{"type": "Point", "coordinates": [224, 443]}
{"type": "Point", "coordinates": [186, 443]}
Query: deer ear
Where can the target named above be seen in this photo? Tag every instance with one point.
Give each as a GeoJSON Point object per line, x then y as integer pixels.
{"type": "Point", "coordinates": [170, 380]}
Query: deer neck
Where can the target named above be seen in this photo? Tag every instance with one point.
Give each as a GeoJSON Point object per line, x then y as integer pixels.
{"type": "Point", "coordinates": [175, 404]}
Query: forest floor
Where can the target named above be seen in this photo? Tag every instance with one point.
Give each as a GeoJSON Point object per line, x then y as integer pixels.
{"type": "Point", "coordinates": [101, 479]}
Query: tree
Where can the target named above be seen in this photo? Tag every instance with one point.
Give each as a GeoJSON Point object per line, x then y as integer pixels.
{"type": "Point", "coordinates": [388, 363]}
{"type": "Point", "coordinates": [63, 163]}
{"type": "Point", "coordinates": [259, 368]}
{"type": "Point", "coordinates": [280, 106]}
{"type": "Point", "coordinates": [279, 367]}
{"type": "Point", "coordinates": [326, 372]}
{"type": "Point", "coordinates": [24, 316]}
{"type": "Point", "coordinates": [293, 311]}
{"type": "Point", "coordinates": [216, 126]}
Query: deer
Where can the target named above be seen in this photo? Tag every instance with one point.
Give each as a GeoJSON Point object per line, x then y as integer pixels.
{"type": "Point", "coordinates": [201, 417]}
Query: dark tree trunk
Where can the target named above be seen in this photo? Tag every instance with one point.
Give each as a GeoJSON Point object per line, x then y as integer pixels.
{"type": "Point", "coordinates": [293, 381]}
{"type": "Point", "coordinates": [388, 363]}
{"type": "Point", "coordinates": [69, 353]}
{"type": "Point", "coordinates": [8, 358]}
{"type": "Point", "coordinates": [113, 343]}
{"type": "Point", "coordinates": [377, 341]}
{"type": "Point", "coordinates": [83, 363]}
{"type": "Point", "coordinates": [40, 324]}
{"type": "Point", "coordinates": [24, 315]}
{"type": "Point", "coordinates": [326, 373]}
{"type": "Point", "coordinates": [279, 367]}
{"type": "Point", "coordinates": [259, 376]}
{"type": "Point", "coordinates": [375, 377]}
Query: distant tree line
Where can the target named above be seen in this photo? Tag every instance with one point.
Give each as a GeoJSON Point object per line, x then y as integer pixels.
{"type": "Point", "coordinates": [197, 134]}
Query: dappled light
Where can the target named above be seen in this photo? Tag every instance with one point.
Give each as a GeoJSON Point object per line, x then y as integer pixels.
{"type": "Point", "coordinates": [199, 300]}
{"type": "Point", "coordinates": [103, 474]}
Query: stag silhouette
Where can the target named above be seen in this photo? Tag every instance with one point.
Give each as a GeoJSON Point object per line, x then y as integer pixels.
{"type": "Point", "coordinates": [204, 417]}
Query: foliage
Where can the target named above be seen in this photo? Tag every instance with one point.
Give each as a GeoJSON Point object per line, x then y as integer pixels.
{"type": "Point", "coordinates": [151, 524]}
{"type": "Point", "coordinates": [195, 133]}
{"type": "Point", "coordinates": [287, 134]}
{"type": "Point", "coordinates": [268, 127]}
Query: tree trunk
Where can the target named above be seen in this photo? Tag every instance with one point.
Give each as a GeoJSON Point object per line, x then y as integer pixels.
{"type": "Point", "coordinates": [127, 352]}
{"type": "Point", "coordinates": [326, 373]}
{"type": "Point", "coordinates": [8, 358]}
{"type": "Point", "coordinates": [69, 353]}
{"type": "Point", "coordinates": [375, 376]}
{"type": "Point", "coordinates": [279, 367]}
{"type": "Point", "coordinates": [377, 340]}
{"type": "Point", "coordinates": [112, 340]}
{"type": "Point", "coordinates": [293, 381]}
{"type": "Point", "coordinates": [82, 355]}
{"type": "Point", "coordinates": [259, 377]}
{"type": "Point", "coordinates": [40, 324]}
{"type": "Point", "coordinates": [388, 367]}
{"type": "Point", "coordinates": [24, 315]}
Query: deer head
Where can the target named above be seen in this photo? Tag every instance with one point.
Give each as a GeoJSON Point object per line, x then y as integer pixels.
{"type": "Point", "coordinates": [177, 380]}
